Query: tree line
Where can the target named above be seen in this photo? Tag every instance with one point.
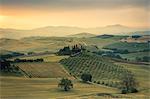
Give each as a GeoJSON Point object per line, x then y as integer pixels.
{"type": "Point", "coordinates": [28, 60]}
{"type": "Point", "coordinates": [67, 50]}
{"type": "Point", "coordinates": [4, 65]}
{"type": "Point", "coordinates": [143, 59]}
{"type": "Point", "coordinates": [13, 54]}
{"type": "Point", "coordinates": [7, 67]}
{"type": "Point", "coordinates": [128, 83]}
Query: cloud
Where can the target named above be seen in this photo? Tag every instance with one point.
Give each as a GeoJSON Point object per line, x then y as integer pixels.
{"type": "Point", "coordinates": [76, 4]}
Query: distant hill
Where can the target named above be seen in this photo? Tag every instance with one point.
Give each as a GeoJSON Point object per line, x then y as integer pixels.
{"type": "Point", "coordinates": [66, 30]}
{"type": "Point", "coordinates": [140, 33]}
{"type": "Point", "coordinates": [138, 39]}
{"type": "Point", "coordinates": [15, 45]}
{"type": "Point", "coordinates": [82, 35]}
{"type": "Point", "coordinates": [105, 36]}
{"type": "Point", "coordinates": [53, 44]}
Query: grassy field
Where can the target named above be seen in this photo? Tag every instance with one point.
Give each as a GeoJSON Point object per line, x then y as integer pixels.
{"type": "Point", "coordinates": [144, 38]}
{"type": "Point", "coordinates": [40, 88]}
{"type": "Point", "coordinates": [131, 47]}
{"type": "Point", "coordinates": [132, 56]}
{"type": "Point", "coordinates": [40, 44]}
{"type": "Point", "coordinates": [47, 57]}
{"type": "Point", "coordinates": [47, 88]}
{"type": "Point", "coordinates": [141, 73]}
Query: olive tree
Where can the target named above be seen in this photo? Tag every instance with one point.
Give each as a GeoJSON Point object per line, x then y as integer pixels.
{"type": "Point", "coordinates": [129, 84]}
{"type": "Point", "coordinates": [86, 77]}
{"type": "Point", "coordinates": [66, 84]}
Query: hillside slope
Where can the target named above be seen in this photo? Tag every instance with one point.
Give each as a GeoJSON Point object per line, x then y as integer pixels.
{"type": "Point", "coordinates": [37, 44]}
{"type": "Point", "coordinates": [102, 71]}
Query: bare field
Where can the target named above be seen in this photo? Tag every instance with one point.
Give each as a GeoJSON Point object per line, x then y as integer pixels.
{"type": "Point", "coordinates": [43, 69]}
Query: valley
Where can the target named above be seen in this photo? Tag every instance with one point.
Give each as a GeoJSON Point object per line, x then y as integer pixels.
{"type": "Point", "coordinates": [40, 79]}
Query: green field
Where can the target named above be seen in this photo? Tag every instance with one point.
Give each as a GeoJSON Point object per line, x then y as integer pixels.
{"type": "Point", "coordinates": [132, 56]}
{"type": "Point", "coordinates": [131, 47]}
{"type": "Point", "coordinates": [141, 73]}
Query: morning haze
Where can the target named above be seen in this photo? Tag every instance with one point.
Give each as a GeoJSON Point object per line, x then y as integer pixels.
{"type": "Point", "coordinates": [74, 49]}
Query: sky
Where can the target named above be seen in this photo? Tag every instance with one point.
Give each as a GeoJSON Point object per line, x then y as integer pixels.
{"type": "Point", "coordinates": [28, 14]}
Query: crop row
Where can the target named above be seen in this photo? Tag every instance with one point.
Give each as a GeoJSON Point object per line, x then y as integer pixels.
{"type": "Point", "coordinates": [102, 72]}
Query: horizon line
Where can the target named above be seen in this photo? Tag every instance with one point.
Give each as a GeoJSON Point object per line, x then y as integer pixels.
{"type": "Point", "coordinates": [142, 27]}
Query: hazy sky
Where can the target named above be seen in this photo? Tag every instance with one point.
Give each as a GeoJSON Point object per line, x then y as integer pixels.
{"type": "Point", "coordinates": [27, 14]}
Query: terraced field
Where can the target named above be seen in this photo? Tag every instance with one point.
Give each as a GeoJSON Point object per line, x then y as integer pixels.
{"type": "Point", "coordinates": [102, 71]}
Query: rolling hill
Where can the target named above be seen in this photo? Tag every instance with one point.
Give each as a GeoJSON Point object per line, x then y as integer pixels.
{"type": "Point", "coordinates": [41, 44]}
{"type": "Point", "coordinates": [144, 38]}
{"type": "Point", "coordinates": [65, 30]}
{"type": "Point", "coordinates": [5, 52]}
{"type": "Point", "coordinates": [102, 71]}
{"type": "Point", "coordinates": [82, 35]}
{"type": "Point", "coordinates": [131, 47]}
{"type": "Point", "coordinates": [45, 76]}
{"type": "Point", "coordinates": [15, 45]}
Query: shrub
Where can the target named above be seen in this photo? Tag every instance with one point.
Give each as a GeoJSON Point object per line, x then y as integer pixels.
{"type": "Point", "coordinates": [102, 82]}
{"type": "Point", "coordinates": [98, 82]}
{"type": "Point", "coordinates": [124, 91]}
{"type": "Point", "coordinates": [133, 90]}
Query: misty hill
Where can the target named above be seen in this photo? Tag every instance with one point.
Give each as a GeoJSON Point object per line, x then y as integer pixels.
{"type": "Point", "coordinates": [53, 44]}
{"type": "Point", "coordinates": [81, 35]}
{"type": "Point", "coordinates": [62, 31]}
{"type": "Point", "coordinates": [15, 45]}
{"type": "Point", "coordinates": [4, 52]}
